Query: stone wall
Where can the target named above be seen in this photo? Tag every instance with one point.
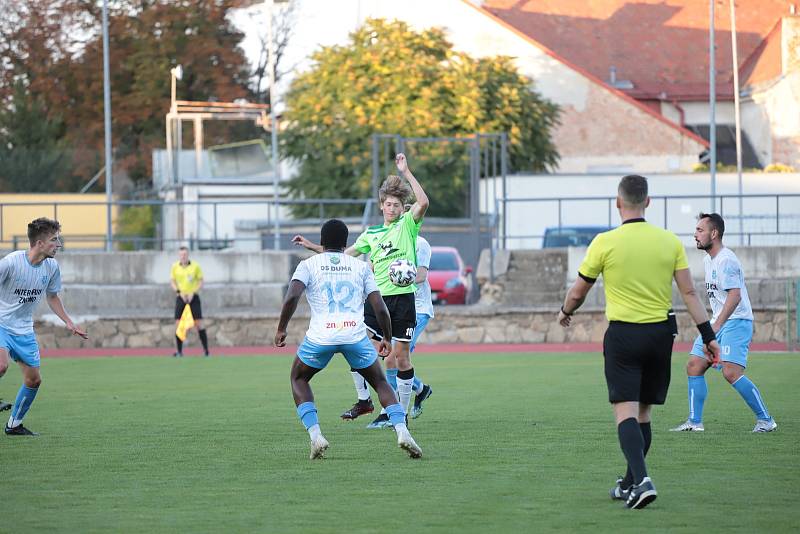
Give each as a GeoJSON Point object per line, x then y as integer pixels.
{"type": "Point", "coordinates": [468, 324]}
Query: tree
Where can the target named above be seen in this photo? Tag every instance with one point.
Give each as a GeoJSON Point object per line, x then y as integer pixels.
{"type": "Point", "coordinates": [391, 79]}
{"type": "Point", "coordinates": [32, 155]}
{"type": "Point", "coordinates": [54, 48]}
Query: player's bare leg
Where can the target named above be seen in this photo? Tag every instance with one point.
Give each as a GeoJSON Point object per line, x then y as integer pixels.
{"type": "Point", "coordinates": [300, 377]}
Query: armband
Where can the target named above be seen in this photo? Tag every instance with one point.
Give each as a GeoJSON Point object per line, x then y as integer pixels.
{"type": "Point", "coordinates": [706, 332]}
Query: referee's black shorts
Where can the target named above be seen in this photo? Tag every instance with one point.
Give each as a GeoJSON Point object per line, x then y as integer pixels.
{"type": "Point", "coordinates": [403, 313]}
{"type": "Point", "coordinates": [194, 305]}
{"type": "Point", "coordinates": [637, 361]}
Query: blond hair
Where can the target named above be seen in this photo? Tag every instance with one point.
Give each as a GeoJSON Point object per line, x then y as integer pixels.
{"type": "Point", "coordinates": [394, 186]}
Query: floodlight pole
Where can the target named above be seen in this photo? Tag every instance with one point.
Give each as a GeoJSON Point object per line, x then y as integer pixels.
{"type": "Point", "coordinates": [712, 96]}
{"type": "Point", "coordinates": [107, 116]}
{"type": "Point", "coordinates": [738, 117]}
{"type": "Point", "coordinates": [276, 173]}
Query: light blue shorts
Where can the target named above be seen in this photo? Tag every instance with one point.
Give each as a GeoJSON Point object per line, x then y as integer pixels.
{"type": "Point", "coordinates": [734, 339]}
{"type": "Point", "coordinates": [422, 322]}
{"type": "Point", "coordinates": [23, 348]}
{"type": "Point", "coordinates": [359, 355]}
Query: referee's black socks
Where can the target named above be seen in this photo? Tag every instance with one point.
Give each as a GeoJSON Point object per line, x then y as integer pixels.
{"type": "Point", "coordinates": [647, 435]}
{"type": "Point", "coordinates": [632, 442]}
{"type": "Point", "coordinates": [204, 339]}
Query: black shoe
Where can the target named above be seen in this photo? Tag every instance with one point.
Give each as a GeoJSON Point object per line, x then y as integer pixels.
{"type": "Point", "coordinates": [642, 494]}
{"type": "Point", "coordinates": [19, 431]}
{"type": "Point", "coordinates": [618, 493]}
{"type": "Point", "coordinates": [206, 354]}
{"type": "Point", "coordinates": [177, 355]}
{"type": "Point", "coordinates": [362, 407]}
{"type": "Point", "coordinates": [416, 411]}
{"type": "Point", "coordinates": [382, 421]}
{"type": "Point", "coordinates": [4, 406]}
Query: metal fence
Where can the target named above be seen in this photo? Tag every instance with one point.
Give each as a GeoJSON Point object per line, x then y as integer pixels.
{"type": "Point", "coordinates": [217, 224]}
{"type": "Point", "coordinates": [756, 219]}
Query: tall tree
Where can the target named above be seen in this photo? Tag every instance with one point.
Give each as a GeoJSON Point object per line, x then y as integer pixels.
{"type": "Point", "coordinates": [32, 155]}
{"type": "Point", "coordinates": [54, 47]}
{"type": "Point", "coordinates": [392, 79]}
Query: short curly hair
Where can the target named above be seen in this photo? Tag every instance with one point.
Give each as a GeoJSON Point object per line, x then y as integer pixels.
{"type": "Point", "coordinates": [41, 228]}
{"type": "Point", "coordinates": [397, 187]}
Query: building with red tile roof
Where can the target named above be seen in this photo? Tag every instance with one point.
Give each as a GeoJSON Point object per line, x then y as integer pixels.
{"type": "Point", "coordinates": [656, 51]}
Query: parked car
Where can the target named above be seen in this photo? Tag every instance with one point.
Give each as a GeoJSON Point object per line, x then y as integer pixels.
{"type": "Point", "coordinates": [571, 236]}
{"type": "Point", "coordinates": [450, 279]}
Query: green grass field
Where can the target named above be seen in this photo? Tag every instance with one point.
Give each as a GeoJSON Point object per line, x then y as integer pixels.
{"type": "Point", "coordinates": [512, 442]}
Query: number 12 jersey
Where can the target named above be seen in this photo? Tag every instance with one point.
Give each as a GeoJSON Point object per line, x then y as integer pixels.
{"type": "Point", "coordinates": [336, 287]}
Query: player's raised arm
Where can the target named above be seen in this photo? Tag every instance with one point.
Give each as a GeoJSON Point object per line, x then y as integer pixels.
{"type": "Point", "coordinates": [301, 241]}
{"type": "Point", "coordinates": [296, 288]}
{"type": "Point", "coordinates": [421, 205]}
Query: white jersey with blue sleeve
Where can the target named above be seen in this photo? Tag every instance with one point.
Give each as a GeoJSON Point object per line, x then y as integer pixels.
{"type": "Point", "coordinates": [336, 287]}
{"type": "Point", "coordinates": [723, 273]}
{"type": "Point", "coordinates": [22, 286]}
{"type": "Point", "coordinates": [422, 297]}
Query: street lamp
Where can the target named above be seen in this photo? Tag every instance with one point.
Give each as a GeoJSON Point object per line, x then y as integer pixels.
{"type": "Point", "coordinates": [107, 127]}
{"type": "Point", "coordinates": [276, 168]}
{"type": "Point", "coordinates": [176, 73]}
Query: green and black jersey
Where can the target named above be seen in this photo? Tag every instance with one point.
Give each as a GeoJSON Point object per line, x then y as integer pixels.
{"type": "Point", "coordinates": [386, 243]}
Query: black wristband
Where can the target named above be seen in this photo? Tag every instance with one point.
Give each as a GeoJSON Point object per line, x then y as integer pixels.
{"type": "Point", "coordinates": [178, 291]}
{"type": "Point", "coordinates": [706, 332]}
{"type": "Point", "coordinates": [565, 312]}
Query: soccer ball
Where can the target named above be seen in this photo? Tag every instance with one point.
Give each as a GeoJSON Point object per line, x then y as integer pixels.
{"type": "Point", "coordinates": [402, 273]}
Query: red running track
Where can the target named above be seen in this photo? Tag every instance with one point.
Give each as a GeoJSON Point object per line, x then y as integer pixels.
{"type": "Point", "coordinates": [448, 348]}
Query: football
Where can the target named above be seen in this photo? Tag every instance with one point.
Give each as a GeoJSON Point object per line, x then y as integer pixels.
{"type": "Point", "coordinates": [402, 273]}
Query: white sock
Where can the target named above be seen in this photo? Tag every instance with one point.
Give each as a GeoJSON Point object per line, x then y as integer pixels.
{"type": "Point", "coordinates": [401, 428]}
{"type": "Point", "coordinates": [404, 386]}
{"type": "Point", "coordinates": [361, 386]}
{"type": "Point", "coordinates": [314, 432]}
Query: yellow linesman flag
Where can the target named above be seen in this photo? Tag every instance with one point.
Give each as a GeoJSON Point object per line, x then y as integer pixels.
{"type": "Point", "coordinates": [185, 324]}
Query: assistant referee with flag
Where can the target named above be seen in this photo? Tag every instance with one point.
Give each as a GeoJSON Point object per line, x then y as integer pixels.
{"type": "Point", "coordinates": [186, 278]}
{"type": "Point", "coordinates": [638, 262]}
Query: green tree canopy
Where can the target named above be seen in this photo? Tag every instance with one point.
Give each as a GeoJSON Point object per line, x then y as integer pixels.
{"type": "Point", "coordinates": [54, 48]}
{"type": "Point", "coordinates": [392, 79]}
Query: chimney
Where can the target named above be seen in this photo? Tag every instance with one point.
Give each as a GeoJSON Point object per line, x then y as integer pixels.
{"type": "Point", "coordinates": [790, 44]}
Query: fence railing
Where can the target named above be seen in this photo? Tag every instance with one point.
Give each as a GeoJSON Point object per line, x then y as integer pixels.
{"type": "Point", "coordinates": [522, 222]}
{"type": "Point", "coordinates": [203, 224]}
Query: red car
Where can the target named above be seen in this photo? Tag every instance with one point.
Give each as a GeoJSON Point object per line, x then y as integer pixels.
{"type": "Point", "coordinates": [449, 278]}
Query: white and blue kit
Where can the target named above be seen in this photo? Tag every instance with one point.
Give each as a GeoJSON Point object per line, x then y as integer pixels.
{"type": "Point", "coordinates": [22, 287]}
{"type": "Point", "coordinates": [336, 287]}
{"type": "Point", "coordinates": [422, 297]}
{"type": "Point", "coordinates": [723, 273]}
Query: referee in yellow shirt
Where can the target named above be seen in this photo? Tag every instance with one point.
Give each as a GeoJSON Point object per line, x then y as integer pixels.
{"type": "Point", "coordinates": [186, 278]}
{"type": "Point", "coordinates": [638, 262]}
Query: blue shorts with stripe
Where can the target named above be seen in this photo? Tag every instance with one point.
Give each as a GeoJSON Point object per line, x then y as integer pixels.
{"type": "Point", "coordinates": [21, 348]}
{"type": "Point", "coordinates": [359, 355]}
{"type": "Point", "coordinates": [734, 339]}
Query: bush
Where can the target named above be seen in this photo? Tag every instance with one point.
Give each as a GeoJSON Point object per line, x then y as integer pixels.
{"type": "Point", "coordinates": [136, 221]}
{"type": "Point", "coordinates": [779, 167]}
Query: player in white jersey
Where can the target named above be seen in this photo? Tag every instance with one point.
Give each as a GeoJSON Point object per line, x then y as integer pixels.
{"type": "Point", "coordinates": [336, 286]}
{"type": "Point", "coordinates": [732, 320]}
{"type": "Point", "coordinates": [25, 278]}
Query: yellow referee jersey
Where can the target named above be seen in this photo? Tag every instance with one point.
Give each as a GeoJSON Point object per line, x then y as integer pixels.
{"type": "Point", "coordinates": [188, 277]}
{"type": "Point", "coordinates": [637, 261]}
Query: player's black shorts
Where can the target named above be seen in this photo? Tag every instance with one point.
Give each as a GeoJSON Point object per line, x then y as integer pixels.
{"type": "Point", "coordinates": [194, 305]}
{"type": "Point", "coordinates": [637, 361]}
{"type": "Point", "coordinates": [403, 314]}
